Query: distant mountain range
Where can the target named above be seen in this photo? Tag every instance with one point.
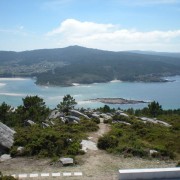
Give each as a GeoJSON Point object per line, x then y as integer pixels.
{"type": "Point", "coordinates": [75, 64]}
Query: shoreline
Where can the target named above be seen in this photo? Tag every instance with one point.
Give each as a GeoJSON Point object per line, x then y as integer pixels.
{"type": "Point", "coordinates": [3, 78]}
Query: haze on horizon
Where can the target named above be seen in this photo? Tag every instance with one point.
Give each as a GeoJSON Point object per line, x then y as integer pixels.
{"type": "Point", "coordinates": [116, 25]}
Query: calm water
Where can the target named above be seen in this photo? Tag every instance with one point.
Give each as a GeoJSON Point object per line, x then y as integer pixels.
{"type": "Point", "coordinates": [167, 94]}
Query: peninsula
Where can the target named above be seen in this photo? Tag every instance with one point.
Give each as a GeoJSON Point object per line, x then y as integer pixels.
{"type": "Point", "coordinates": [64, 66]}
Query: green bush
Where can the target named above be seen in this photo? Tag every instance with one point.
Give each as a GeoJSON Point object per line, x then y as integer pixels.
{"type": "Point", "coordinates": [74, 149]}
{"type": "Point", "coordinates": [6, 177]}
{"type": "Point", "coordinates": [107, 141]}
{"type": "Point", "coordinates": [62, 139]}
{"type": "Point", "coordinates": [107, 121]}
{"type": "Point", "coordinates": [96, 120]}
{"type": "Point", "coordinates": [138, 138]}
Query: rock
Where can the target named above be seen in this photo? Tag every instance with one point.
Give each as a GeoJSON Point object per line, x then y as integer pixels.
{"type": "Point", "coordinates": [124, 114]}
{"type": "Point", "coordinates": [6, 137]}
{"type": "Point", "coordinates": [153, 152]}
{"type": "Point", "coordinates": [29, 123]}
{"type": "Point", "coordinates": [45, 125]}
{"type": "Point", "coordinates": [78, 114]}
{"type": "Point", "coordinates": [155, 121]}
{"type": "Point", "coordinates": [66, 161]}
{"type": "Point", "coordinates": [95, 115]}
{"type": "Point", "coordinates": [5, 157]}
{"type": "Point", "coordinates": [87, 144]}
{"type": "Point", "coordinates": [55, 114]}
{"type": "Point", "coordinates": [109, 114]}
{"type": "Point", "coordinates": [122, 122]}
{"type": "Point", "coordinates": [20, 150]}
{"type": "Point", "coordinates": [71, 119]}
{"type": "Point", "coordinates": [52, 123]}
{"type": "Point", "coordinates": [63, 119]}
{"type": "Point", "coordinates": [105, 116]}
{"type": "Point", "coordinates": [118, 112]}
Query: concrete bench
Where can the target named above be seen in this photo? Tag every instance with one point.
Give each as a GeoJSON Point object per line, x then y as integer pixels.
{"type": "Point", "coordinates": [145, 174]}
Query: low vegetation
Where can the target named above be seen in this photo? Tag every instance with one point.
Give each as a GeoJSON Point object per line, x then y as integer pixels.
{"type": "Point", "coordinates": [60, 140]}
{"type": "Point", "coordinates": [144, 139]}
{"type": "Point", "coordinates": [2, 177]}
{"type": "Point", "coordinates": [56, 140]}
{"type": "Point", "coordinates": [129, 135]}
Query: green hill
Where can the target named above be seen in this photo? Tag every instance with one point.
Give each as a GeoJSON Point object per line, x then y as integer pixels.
{"type": "Point", "coordinates": [76, 64]}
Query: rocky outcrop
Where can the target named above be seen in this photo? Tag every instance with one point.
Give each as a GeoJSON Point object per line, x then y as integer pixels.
{"type": "Point", "coordinates": [72, 119]}
{"type": "Point", "coordinates": [155, 121]}
{"type": "Point", "coordinates": [55, 114]}
{"type": "Point", "coordinates": [119, 112]}
{"type": "Point", "coordinates": [105, 116]}
{"type": "Point", "coordinates": [88, 145]}
{"type": "Point", "coordinates": [78, 114]}
{"type": "Point", "coordinates": [29, 123]}
{"type": "Point", "coordinates": [121, 122]}
{"type": "Point", "coordinates": [45, 125]}
{"type": "Point", "coordinates": [95, 115]}
{"type": "Point", "coordinates": [6, 137]}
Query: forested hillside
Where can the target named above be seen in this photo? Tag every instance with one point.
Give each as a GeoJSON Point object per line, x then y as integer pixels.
{"type": "Point", "coordinates": [75, 64]}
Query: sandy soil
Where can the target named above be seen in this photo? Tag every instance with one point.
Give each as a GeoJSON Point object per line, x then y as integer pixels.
{"type": "Point", "coordinates": [95, 164]}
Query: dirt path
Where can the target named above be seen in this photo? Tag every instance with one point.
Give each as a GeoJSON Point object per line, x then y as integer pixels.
{"type": "Point", "coordinates": [95, 164]}
{"type": "Point", "coordinates": [103, 129]}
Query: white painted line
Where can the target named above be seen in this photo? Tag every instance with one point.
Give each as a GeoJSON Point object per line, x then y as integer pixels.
{"type": "Point", "coordinates": [77, 173]}
{"type": "Point", "coordinates": [22, 175]}
{"type": "Point", "coordinates": [33, 175]}
{"type": "Point", "coordinates": [66, 174]}
{"type": "Point", "coordinates": [56, 174]}
{"type": "Point", "coordinates": [44, 174]}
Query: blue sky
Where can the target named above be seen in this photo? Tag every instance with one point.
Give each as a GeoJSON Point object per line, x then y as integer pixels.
{"type": "Point", "coordinates": [104, 24]}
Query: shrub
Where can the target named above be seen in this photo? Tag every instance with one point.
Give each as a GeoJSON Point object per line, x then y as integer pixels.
{"type": "Point", "coordinates": [107, 121]}
{"type": "Point", "coordinates": [129, 151]}
{"type": "Point", "coordinates": [107, 141]}
{"type": "Point", "coordinates": [6, 177]}
{"type": "Point", "coordinates": [96, 120]}
{"type": "Point", "coordinates": [74, 149]}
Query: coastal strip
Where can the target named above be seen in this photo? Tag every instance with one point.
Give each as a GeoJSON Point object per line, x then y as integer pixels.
{"type": "Point", "coordinates": [117, 101]}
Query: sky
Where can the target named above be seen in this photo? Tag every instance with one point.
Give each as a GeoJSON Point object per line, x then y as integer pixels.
{"type": "Point", "coordinates": [115, 25]}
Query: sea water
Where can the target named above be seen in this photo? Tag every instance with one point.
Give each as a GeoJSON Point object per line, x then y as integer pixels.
{"type": "Point", "coordinates": [12, 90]}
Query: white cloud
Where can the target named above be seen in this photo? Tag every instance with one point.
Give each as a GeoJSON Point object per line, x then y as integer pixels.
{"type": "Point", "coordinates": [112, 37]}
{"type": "Point", "coordinates": [72, 27]}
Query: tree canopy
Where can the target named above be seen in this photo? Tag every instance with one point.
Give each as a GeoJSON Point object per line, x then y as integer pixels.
{"type": "Point", "coordinates": [68, 103]}
{"type": "Point", "coordinates": [154, 108]}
